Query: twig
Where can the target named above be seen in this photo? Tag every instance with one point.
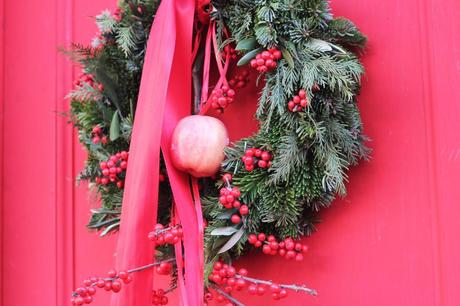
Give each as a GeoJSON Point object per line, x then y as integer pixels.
{"type": "Point", "coordinates": [291, 287]}
{"type": "Point", "coordinates": [134, 270]}
{"type": "Point", "coordinates": [228, 296]}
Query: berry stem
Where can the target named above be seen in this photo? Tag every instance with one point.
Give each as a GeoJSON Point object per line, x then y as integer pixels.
{"type": "Point", "coordinates": [151, 265]}
{"type": "Point", "coordinates": [134, 270]}
{"type": "Point", "coordinates": [291, 287]}
{"type": "Point", "coordinates": [161, 231]}
{"type": "Point", "coordinates": [227, 296]}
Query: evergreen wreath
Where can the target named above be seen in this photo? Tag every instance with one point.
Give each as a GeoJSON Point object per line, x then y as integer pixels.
{"type": "Point", "coordinates": [273, 183]}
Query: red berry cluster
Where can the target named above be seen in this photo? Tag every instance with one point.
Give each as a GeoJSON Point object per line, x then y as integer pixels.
{"type": "Point", "coordinates": [287, 248]}
{"type": "Point", "coordinates": [266, 60]}
{"type": "Point", "coordinates": [98, 136]}
{"type": "Point", "coordinates": [159, 297]}
{"type": "Point", "coordinates": [222, 97]}
{"type": "Point", "coordinates": [84, 294]}
{"type": "Point", "coordinates": [229, 199]}
{"type": "Point", "coordinates": [229, 50]}
{"type": "Point", "coordinates": [223, 274]}
{"type": "Point", "coordinates": [164, 268]}
{"type": "Point", "coordinates": [254, 157]}
{"type": "Point", "coordinates": [169, 235]}
{"type": "Point", "coordinates": [112, 169]}
{"type": "Point", "coordinates": [240, 80]}
{"type": "Point", "coordinates": [298, 102]}
{"type": "Point", "coordinates": [85, 78]}
{"type": "Point", "coordinates": [117, 14]}
{"type": "Point", "coordinates": [230, 279]}
{"type": "Point", "coordinates": [260, 289]}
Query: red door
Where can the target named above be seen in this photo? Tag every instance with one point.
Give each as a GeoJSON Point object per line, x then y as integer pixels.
{"type": "Point", "coordinates": [392, 241]}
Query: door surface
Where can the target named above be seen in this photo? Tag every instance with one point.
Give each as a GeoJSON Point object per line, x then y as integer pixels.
{"type": "Point", "coordinates": [392, 241]}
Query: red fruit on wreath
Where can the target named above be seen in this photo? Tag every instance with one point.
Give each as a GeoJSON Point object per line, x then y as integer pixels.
{"type": "Point", "coordinates": [197, 145]}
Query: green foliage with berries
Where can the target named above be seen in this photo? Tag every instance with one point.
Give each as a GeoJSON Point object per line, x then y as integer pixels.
{"type": "Point", "coordinates": [310, 125]}
{"type": "Point", "coordinates": [313, 144]}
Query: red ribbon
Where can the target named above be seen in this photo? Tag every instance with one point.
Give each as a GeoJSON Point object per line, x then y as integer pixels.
{"type": "Point", "coordinates": [164, 98]}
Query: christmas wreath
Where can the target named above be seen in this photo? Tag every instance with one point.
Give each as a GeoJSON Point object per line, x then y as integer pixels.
{"type": "Point", "coordinates": [267, 188]}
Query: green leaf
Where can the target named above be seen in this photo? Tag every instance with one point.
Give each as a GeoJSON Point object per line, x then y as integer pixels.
{"type": "Point", "coordinates": [288, 57]}
{"type": "Point", "coordinates": [223, 231]}
{"type": "Point", "coordinates": [246, 44]}
{"type": "Point", "coordinates": [109, 87]}
{"type": "Point", "coordinates": [115, 126]}
{"type": "Point", "coordinates": [319, 44]}
{"type": "Point", "coordinates": [248, 57]}
{"type": "Point", "coordinates": [232, 241]}
{"type": "Point", "coordinates": [108, 229]}
{"type": "Point", "coordinates": [226, 215]}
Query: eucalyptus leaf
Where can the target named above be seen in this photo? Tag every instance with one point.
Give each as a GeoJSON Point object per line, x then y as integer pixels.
{"type": "Point", "coordinates": [115, 126]}
{"type": "Point", "coordinates": [248, 57]}
{"type": "Point", "coordinates": [223, 231]}
{"type": "Point", "coordinates": [225, 215]}
{"type": "Point", "coordinates": [104, 223]}
{"type": "Point", "coordinates": [340, 49]}
{"type": "Point", "coordinates": [319, 44]}
{"type": "Point", "coordinates": [232, 241]}
{"type": "Point", "coordinates": [108, 229]}
{"type": "Point", "coordinates": [246, 44]}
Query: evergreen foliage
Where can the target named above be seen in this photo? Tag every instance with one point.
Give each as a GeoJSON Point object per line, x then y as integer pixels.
{"type": "Point", "coordinates": [312, 149]}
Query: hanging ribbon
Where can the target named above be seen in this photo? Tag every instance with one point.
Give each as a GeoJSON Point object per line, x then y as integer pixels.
{"type": "Point", "coordinates": [164, 98]}
{"type": "Point", "coordinates": [211, 41]}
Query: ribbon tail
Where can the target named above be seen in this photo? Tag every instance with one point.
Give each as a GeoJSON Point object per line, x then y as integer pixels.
{"type": "Point", "coordinates": [164, 98]}
{"type": "Point", "coordinates": [178, 105]}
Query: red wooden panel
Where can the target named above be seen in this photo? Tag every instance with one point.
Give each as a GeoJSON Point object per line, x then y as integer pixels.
{"type": "Point", "coordinates": [392, 241]}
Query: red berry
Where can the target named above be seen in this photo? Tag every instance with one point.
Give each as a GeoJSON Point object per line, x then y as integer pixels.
{"type": "Point", "coordinates": [252, 289]}
{"type": "Point", "coordinates": [244, 210]}
{"type": "Point", "coordinates": [277, 54]}
{"type": "Point", "coordinates": [112, 273]}
{"type": "Point", "coordinates": [302, 93]}
{"type": "Point", "coordinates": [227, 177]}
{"type": "Point", "coordinates": [236, 192]}
{"type": "Point", "coordinates": [116, 286]}
{"type": "Point", "coordinates": [266, 249]}
{"type": "Point", "coordinates": [235, 219]}
{"type": "Point", "coordinates": [262, 163]}
{"type": "Point", "coordinates": [97, 130]}
{"type": "Point", "coordinates": [243, 272]}
{"type": "Point", "coordinates": [266, 156]}
{"type": "Point", "coordinates": [252, 238]}
{"type": "Point", "coordinates": [258, 244]}
{"type": "Point", "coordinates": [236, 204]}
{"type": "Point", "coordinates": [282, 293]}
{"type": "Point", "coordinates": [260, 290]}
{"type": "Point", "coordinates": [96, 139]}
{"type": "Point", "coordinates": [261, 237]}
{"type": "Point", "coordinates": [249, 167]}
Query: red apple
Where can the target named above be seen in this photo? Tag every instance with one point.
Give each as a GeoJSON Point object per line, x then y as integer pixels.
{"type": "Point", "coordinates": [198, 144]}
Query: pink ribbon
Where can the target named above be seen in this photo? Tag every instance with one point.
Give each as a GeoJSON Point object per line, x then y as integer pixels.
{"type": "Point", "coordinates": [164, 98]}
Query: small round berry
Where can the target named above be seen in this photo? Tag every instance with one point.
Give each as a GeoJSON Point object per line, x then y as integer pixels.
{"type": "Point", "coordinates": [244, 210]}
{"type": "Point", "coordinates": [235, 219]}
{"type": "Point", "coordinates": [261, 237]}
{"type": "Point", "coordinates": [252, 238]}
{"type": "Point", "coordinates": [243, 272]}
{"type": "Point", "coordinates": [262, 164]}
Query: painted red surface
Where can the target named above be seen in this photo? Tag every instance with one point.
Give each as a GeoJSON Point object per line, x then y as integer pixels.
{"type": "Point", "coordinates": [392, 241]}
